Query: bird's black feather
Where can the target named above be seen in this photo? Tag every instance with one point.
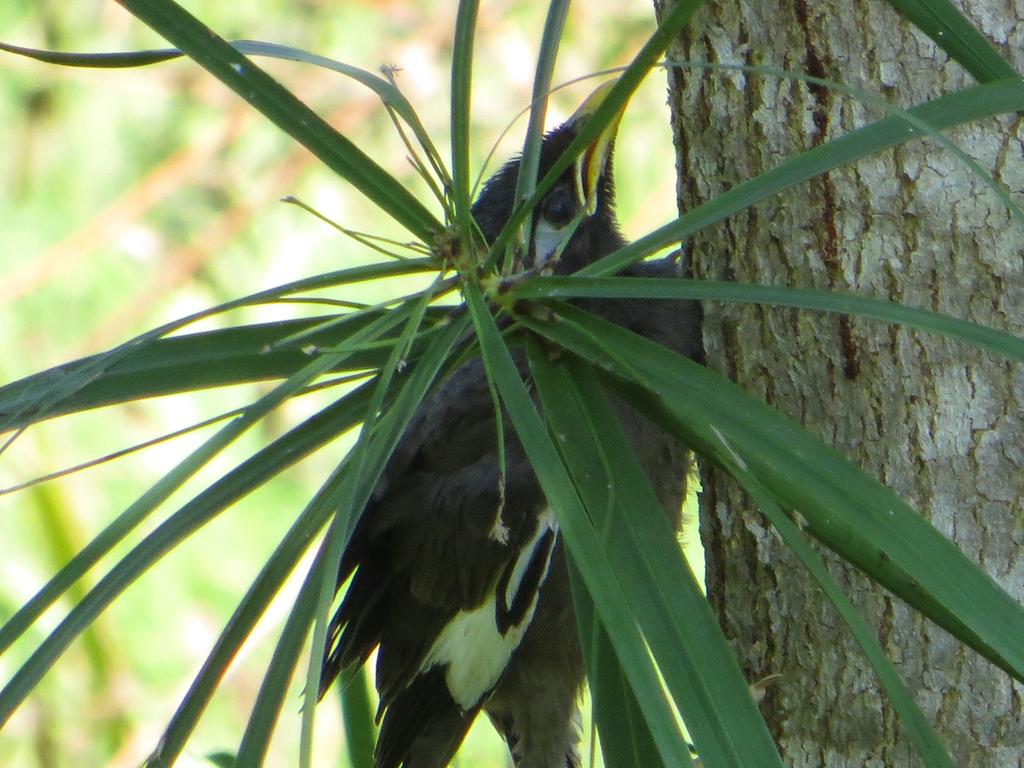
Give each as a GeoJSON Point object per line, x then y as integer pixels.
{"type": "Point", "coordinates": [447, 521]}
{"type": "Point", "coordinates": [425, 727]}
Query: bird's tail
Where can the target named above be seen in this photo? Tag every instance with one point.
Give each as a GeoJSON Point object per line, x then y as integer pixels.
{"type": "Point", "coordinates": [423, 726]}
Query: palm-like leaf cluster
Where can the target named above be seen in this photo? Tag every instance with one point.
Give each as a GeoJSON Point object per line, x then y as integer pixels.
{"type": "Point", "coordinates": [651, 641]}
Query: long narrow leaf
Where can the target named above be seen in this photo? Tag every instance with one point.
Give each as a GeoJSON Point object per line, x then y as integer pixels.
{"type": "Point", "coordinates": [626, 740]}
{"type": "Point", "coordinates": [575, 286]}
{"type": "Point", "coordinates": [913, 719]}
{"type": "Point", "coordinates": [616, 607]}
{"type": "Point", "coordinates": [84, 613]}
{"type": "Point", "coordinates": [119, 60]}
{"type": "Point", "coordinates": [23, 404]}
{"type": "Point", "coordinates": [336, 543]}
{"type": "Point", "coordinates": [625, 736]}
{"type": "Point", "coordinates": [270, 698]}
{"type": "Point", "coordinates": [357, 715]}
{"type": "Point", "coordinates": [252, 750]}
{"type": "Point", "coordinates": [196, 361]}
{"type": "Point", "coordinates": [945, 112]}
{"type": "Point", "coordinates": [388, 93]}
{"type": "Point", "coordinates": [282, 108]}
{"type": "Point", "coordinates": [693, 655]}
{"type": "Point", "coordinates": [860, 519]}
{"type": "Point", "coordinates": [344, 494]}
{"type": "Point", "coordinates": [526, 180]}
{"type": "Point", "coordinates": [952, 32]}
{"type": "Point", "coordinates": [462, 70]}
{"type": "Point", "coordinates": [925, 739]}
{"type": "Point", "coordinates": [675, 18]}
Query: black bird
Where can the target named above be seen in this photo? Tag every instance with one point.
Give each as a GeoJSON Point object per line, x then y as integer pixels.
{"type": "Point", "coordinates": [470, 609]}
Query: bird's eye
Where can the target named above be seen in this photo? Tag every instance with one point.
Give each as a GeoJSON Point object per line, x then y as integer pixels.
{"type": "Point", "coordinates": [559, 208]}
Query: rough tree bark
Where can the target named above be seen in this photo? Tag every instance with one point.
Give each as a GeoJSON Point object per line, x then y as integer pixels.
{"type": "Point", "coordinates": [939, 422]}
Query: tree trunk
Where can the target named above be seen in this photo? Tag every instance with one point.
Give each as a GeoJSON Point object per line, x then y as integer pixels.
{"type": "Point", "coordinates": [936, 420]}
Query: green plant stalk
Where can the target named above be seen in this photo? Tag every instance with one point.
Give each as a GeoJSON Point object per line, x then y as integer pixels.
{"type": "Point", "coordinates": [462, 71]}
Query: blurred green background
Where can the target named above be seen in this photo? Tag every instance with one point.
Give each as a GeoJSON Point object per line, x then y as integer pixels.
{"type": "Point", "coordinates": [129, 198]}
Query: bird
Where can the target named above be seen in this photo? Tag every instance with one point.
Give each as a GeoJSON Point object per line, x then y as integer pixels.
{"type": "Point", "coordinates": [462, 586]}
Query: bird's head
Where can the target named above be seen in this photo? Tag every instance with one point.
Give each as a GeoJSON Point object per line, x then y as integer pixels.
{"type": "Point", "coordinates": [579, 210]}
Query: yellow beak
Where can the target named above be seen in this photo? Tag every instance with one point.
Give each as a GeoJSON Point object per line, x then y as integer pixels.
{"type": "Point", "coordinates": [591, 164]}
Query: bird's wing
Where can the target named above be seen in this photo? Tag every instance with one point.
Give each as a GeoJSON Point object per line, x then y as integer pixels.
{"type": "Point", "coordinates": [445, 564]}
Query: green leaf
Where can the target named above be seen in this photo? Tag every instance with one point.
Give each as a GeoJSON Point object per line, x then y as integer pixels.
{"type": "Point", "coordinates": [526, 181]}
{"type": "Point", "coordinates": [693, 655]}
{"type": "Point", "coordinates": [626, 740]}
{"type": "Point", "coordinates": [529, 163]}
{"type": "Point", "coordinates": [462, 70]}
{"type": "Point", "coordinates": [945, 112]}
{"type": "Point", "coordinates": [191, 362]}
{"type": "Point", "coordinates": [285, 110]}
{"type": "Point", "coordinates": [850, 512]}
{"type": "Point", "coordinates": [249, 475]}
{"type": "Point", "coordinates": [575, 286]}
{"type": "Point", "coordinates": [118, 60]}
{"type": "Point", "coordinates": [616, 606]}
{"type": "Point", "coordinates": [389, 94]}
{"type": "Point", "coordinates": [952, 32]}
{"type": "Point", "coordinates": [924, 738]}
{"type": "Point", "coordinates": [674, 19]}
{"type": "Point", "coordinates": [252, 750]}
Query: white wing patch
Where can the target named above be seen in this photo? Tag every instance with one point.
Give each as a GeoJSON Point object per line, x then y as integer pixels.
{"type": "Point", "coordinates": [471, 645]}
{"type": "Point", "coordinates": [545, 522]}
